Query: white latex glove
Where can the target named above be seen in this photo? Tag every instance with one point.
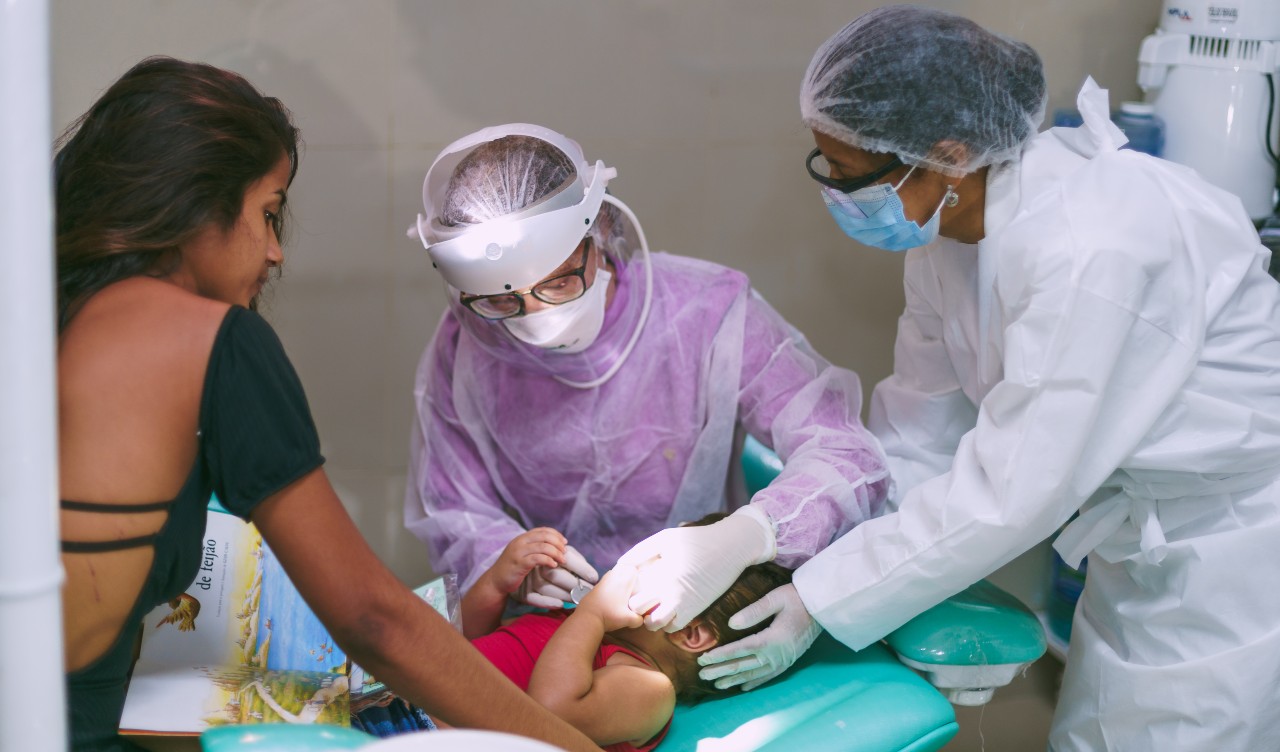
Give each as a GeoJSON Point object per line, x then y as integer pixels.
{"type": "Point", "coordinates": [757, 658]}
{"type": "Point", "coordinates": [552, 587]}
{"type": "Point", "coordinates": [683, 569]}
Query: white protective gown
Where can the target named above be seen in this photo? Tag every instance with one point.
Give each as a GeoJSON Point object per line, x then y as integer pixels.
{"type": "Point", "coordinates": [1112, 346]}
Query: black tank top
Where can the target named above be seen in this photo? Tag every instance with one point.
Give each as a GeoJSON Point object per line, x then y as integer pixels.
{"type": "Point", "coordinates": [256, 436]}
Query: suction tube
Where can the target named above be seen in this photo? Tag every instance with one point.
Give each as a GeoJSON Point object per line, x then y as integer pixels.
{"type": "Point", "coordinates": [644, 311]}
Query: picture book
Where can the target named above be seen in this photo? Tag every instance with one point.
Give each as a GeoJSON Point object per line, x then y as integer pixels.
{"type": "Point", "coordinates": [241, 646]}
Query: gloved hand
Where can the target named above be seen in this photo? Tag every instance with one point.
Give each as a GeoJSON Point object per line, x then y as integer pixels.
{"type": "Point", "coordinates": [757, 658]}
{"type": "Point", "coordinates": [551, 587]}
{"type": "Point", "coordinates": [683, 569]}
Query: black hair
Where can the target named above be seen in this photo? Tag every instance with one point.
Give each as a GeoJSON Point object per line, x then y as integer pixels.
{"type": "Point", "coordinates": [170, 147]}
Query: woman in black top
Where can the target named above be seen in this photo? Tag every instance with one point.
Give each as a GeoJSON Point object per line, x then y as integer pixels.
{"type": "Point", "coordinates": [170, 196]}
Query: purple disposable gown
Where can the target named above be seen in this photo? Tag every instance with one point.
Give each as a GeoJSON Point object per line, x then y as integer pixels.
{"type": "Point", "coordinates": [500, 446]}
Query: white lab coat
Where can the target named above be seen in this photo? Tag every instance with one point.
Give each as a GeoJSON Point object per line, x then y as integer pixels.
{"type": "Point", "coordinates": [1112, 346]}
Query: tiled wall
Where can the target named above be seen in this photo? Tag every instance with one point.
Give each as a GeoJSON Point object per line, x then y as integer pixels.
{"type": "Point", "coordinates": [694, 101]}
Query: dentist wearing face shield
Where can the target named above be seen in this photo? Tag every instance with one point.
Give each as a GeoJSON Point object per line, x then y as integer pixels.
{"type": "Point", "coordinates": [1086, 330]}
{"type": "Point", "coordinates": [581, 385]}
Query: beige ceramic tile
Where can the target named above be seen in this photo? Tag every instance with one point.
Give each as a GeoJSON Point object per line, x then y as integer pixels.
{"type": "Point", "coordinates": [405, 554]}
{"type": "Point", "coordinates": [342, 369]}
{"type": "Point", "coordinates": [329, 58]}
{"type": "Point", "coordinates": [340, 206]}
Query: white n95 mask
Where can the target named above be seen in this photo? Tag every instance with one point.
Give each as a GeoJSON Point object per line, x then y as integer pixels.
{"type": "Point", "coordinates": [569, 327]}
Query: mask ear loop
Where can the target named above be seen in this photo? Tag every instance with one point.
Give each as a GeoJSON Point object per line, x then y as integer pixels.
{"type": "Point", "coordinates": [903, 182]}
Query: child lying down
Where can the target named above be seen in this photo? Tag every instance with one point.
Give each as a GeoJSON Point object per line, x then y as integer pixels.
{"type": "Point", "coordinates": [596, 666]}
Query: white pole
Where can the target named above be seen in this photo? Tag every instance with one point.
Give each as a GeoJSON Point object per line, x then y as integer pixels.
{"type": "Point", "coordinates": [32, 697]}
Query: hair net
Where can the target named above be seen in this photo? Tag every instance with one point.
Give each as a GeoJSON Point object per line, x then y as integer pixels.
{"type": "Point", "coordinates": [513, 173]}
{"type": "Point", "coordinates": [903, 78]}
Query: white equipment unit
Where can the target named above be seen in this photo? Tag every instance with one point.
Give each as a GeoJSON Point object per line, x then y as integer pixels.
{"type": "Point", "coordinates": [33, 708]}
{"type": "Point", "coordinates": [1210, 70]}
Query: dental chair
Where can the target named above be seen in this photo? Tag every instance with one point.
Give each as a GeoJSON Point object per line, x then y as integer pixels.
{"type": "Point", "coordinates": [895, 696]}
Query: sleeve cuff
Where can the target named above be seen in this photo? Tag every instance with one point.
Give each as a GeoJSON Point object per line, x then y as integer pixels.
{"type": "Point", "coordinates": [769, 535]}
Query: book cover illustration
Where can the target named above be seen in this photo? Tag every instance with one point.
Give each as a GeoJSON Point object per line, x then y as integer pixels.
{"type": "Point", "coordinates": [213, 655]}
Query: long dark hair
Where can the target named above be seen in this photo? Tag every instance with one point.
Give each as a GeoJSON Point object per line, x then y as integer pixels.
{"type": "Point", "coordinates": [170, 147]}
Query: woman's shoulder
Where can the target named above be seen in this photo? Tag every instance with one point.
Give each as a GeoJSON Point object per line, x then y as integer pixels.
{"type": "Point", "coordinates": [1116, 226]}
{"type": "Point", "coordinates": [146, 303]}
{"type": "Point", "coordinates": [696, 270]}
{"type": "Point", "coordinates": [131, 375]}
{"type": "Point", "coordinates": [1111, 193]}
{"type": "Point", "coordinates": [155, 326]}
{"type": "Point", "coordinates": [697, 281]}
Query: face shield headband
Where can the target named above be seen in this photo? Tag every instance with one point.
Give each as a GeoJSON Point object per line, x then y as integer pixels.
{"type": "Point", "coordinates": [515, 251]}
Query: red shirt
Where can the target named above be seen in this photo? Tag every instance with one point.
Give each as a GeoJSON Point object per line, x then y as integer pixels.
{"type": "Point", "coordinates": [515, 648]}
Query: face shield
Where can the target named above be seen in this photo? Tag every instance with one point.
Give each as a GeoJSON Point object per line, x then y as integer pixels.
{"type": "Point", "coordinates": [515, 251]}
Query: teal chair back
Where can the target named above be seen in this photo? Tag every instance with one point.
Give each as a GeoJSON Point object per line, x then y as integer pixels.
{"type": "Point", "coordinates": [869, 701]}
{"type": "Point", "coordinates": [833, 699]}
{"type": "Point", "coordinates": [759, 465]}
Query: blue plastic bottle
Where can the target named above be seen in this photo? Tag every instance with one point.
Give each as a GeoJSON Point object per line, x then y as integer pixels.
{"type": "Point", "coordinates": [1066, 117]}
{"type": "Point", "coordinates": [1144, 128]}
{"type": "Point", "coordinates": [1067, 586]}
{"type": "Point", "coordinates": [1269, 234]}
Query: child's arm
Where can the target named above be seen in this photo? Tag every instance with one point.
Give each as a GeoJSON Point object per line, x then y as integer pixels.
{"type": "Point", "coordinates": [483, 604]}
{"type": "Point", "coordinates": [619, 703]}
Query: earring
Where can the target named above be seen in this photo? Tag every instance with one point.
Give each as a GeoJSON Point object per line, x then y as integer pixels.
{"type": "Point", "coordinates": [952, 198]}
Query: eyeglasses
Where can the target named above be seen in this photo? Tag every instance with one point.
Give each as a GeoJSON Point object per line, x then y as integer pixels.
{"type": "Point", "coordinates": [846, 185]}
{"type": "Point", "coordinates": [559, 289]}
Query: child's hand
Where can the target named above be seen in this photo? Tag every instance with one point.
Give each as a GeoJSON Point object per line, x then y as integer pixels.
{"type": "Point", "coordinates": [539, 547]}
{"type": "Point", "coordinates": [608, 599]}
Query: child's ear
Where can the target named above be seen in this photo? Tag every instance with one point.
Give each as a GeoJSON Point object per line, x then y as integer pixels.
{"type": "Point", "coordinates": [695, 638]}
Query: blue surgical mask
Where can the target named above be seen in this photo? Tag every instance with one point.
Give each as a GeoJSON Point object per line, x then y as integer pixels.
{"type": "Point", "coordinates": [874, 216]}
